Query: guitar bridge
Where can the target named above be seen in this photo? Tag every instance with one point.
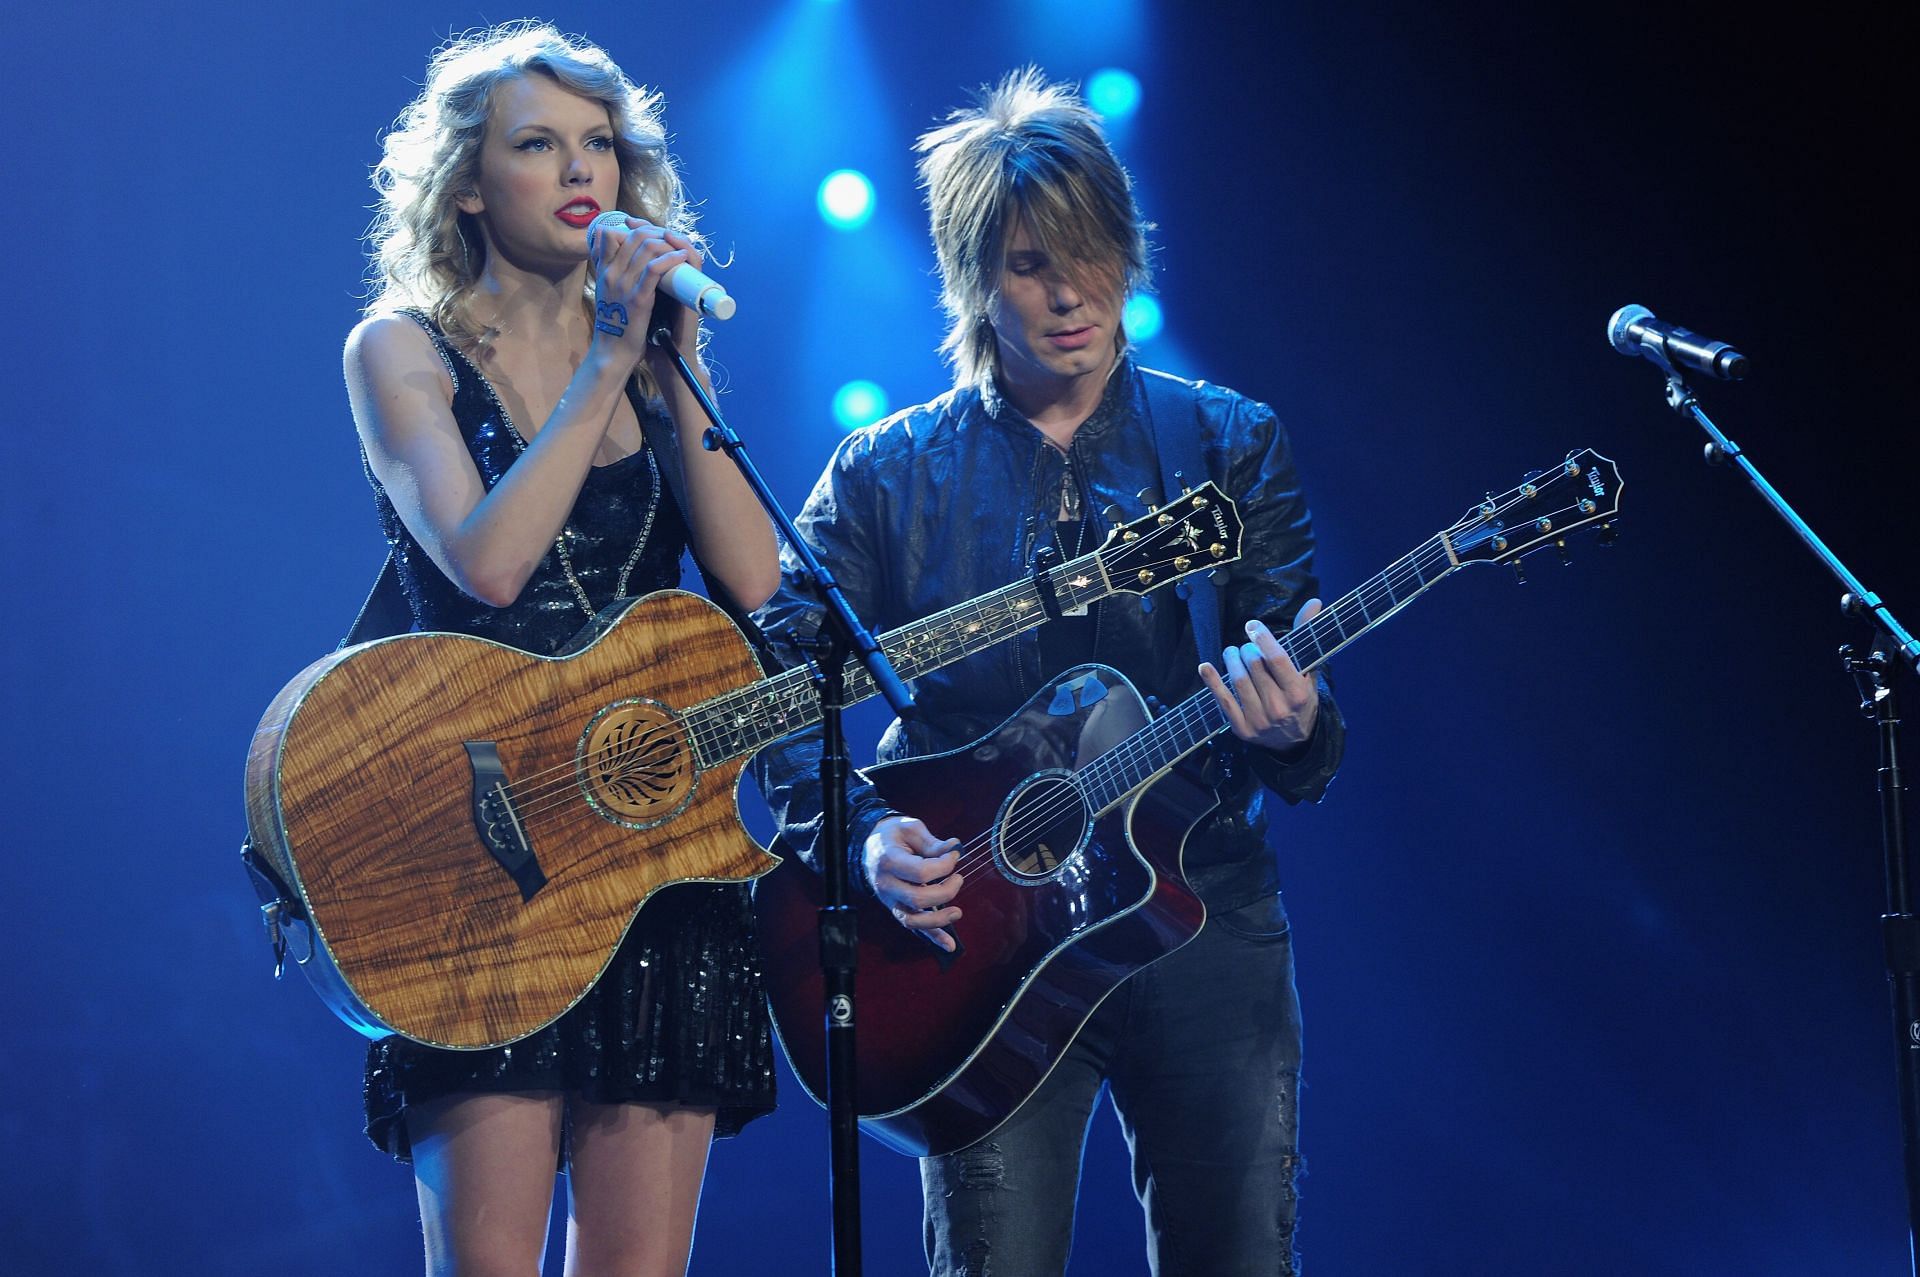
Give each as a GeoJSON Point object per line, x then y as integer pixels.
{"type": "Point", "coordinates": [497, 821]}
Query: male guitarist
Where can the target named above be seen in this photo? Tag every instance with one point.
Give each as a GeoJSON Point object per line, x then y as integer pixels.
{"type": "Point", "coordinates": [1050, 425]}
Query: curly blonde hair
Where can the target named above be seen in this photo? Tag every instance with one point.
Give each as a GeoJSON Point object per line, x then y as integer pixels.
{"type": "Point", "coordinates": [1029, 153]}
{"type": "Point", "coordinates": [424, 251]}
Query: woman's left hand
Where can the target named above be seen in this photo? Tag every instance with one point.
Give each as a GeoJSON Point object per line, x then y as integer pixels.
{"type": "Point", "coordinates": [633, 267]}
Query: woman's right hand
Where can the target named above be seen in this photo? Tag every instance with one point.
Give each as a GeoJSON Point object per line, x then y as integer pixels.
{"type": "Point", "coordinates": [628, 266]}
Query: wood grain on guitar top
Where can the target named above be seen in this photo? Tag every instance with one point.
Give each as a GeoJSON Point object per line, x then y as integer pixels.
{"type": "Point", "coordinates": [433, 933]}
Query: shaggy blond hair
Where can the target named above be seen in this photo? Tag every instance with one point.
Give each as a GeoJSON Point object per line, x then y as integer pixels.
{"type": "Point", "coordinates": [1030, 154]}
{"type": "Point", "coordinates": [424, 251]}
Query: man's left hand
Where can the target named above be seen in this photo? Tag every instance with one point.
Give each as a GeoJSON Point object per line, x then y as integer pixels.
{"type": "Point", "coordinates": [1267, 701]}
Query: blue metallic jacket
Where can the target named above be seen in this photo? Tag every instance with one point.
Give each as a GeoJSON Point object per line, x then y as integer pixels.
{"type": "Point", "coordinates": [950, 500]}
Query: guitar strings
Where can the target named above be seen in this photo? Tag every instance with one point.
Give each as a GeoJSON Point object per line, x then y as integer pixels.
{"type": "Point", "coordinates": [1041, 816]}
{"type": "Point", "coordinates": [978, 850]}
{"type": "Point", "coordinates": [1430, 553]}
{"type": "Point", "coordinates": [563, 790]}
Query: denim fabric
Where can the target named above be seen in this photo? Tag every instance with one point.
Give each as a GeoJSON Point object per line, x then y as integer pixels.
{"type": "Point", "coordinates": [1201, 1054]}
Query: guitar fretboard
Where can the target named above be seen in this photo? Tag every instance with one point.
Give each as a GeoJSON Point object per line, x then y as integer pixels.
{"type": "Point", "coordinates": [749, 718]}
{"type": "Point", "coordinates": [1108, 779]}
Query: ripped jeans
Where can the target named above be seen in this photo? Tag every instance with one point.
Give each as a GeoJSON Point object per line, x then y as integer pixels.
{"type": "Point", "coordinates": [1201, 1053]}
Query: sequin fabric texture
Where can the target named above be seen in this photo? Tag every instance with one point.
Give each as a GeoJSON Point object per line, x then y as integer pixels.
{"type": "Point", "coordinates": [680, 1014]}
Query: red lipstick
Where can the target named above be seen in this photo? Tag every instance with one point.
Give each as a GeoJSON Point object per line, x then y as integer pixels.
{"type": "Point", "coordinates": [578, 213]}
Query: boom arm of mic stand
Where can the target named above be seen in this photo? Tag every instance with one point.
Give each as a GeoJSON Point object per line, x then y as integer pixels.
{"type": "Point", "coordinates": [1720, 450]}
{"type": "Point", "coordinates": [720, 437]}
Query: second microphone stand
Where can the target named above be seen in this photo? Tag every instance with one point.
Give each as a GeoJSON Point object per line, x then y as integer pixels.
{"type": "Point", "coordinates": [1895, 651]}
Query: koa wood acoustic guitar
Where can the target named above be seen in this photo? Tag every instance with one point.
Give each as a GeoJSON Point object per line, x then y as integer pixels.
{"type": "Point", "coordinates": [470, 829]}
{"type": "Point", "coordinates": [1073, 816]}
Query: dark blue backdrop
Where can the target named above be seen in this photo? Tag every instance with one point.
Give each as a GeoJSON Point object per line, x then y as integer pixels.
{"type": "Point", "coordinates": [1587, 927]}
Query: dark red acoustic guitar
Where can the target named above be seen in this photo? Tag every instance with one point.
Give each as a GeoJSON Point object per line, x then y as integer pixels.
{"type": "Point", "coordinates": [1073, 816]}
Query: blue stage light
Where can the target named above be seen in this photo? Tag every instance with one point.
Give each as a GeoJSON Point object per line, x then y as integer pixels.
{"type": "Point", "coordinates": [859, 403]}
{"type": "Point", "coordinates": [1114, 93]}
{"type": "Point", "coordinates": [1143, 319]}
{"type": "Point", "coordinates": [846, 199]}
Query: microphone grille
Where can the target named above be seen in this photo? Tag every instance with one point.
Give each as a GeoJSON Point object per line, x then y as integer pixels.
{"type": "Point", "coordinates": [612, 217]}
{"type": "Point", "coordinates": [1623, 319]}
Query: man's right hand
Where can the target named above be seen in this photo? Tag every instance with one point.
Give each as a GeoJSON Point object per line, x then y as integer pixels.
{"type": "Point", "coordinates": [914, 875]}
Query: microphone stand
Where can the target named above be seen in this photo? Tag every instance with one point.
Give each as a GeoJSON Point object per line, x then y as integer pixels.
{"type": "Point", "coordinates": [842, 633]}
{"type": "Point", "coordinates": [1894, 650]}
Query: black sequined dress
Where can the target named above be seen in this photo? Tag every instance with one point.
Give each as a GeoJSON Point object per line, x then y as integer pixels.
{"type": "Point", "coordinates": [680, 1015]}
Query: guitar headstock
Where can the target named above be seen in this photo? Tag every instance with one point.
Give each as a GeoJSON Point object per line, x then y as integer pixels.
{"type": "Point", "coordinates": [1197, 532]}
{"type": "Point", "coordinates": [1584, 490]}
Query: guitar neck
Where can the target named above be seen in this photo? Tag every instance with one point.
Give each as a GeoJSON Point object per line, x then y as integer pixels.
{"type": "Point", "coordinates": [747, 719]}
{"type": "Point", "coordinates": [1110, 778]}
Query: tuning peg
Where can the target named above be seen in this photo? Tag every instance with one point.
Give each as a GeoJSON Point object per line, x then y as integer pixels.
{"type": "Point", "coordinates": [1149, 498]}
{"type": "Point", "coordinates": [1146, 603]}
{"type": "Point", "coordinates": [1180, 477]}
{"type": "Point", "coordinates": [1609, 533]}
{"type": "Point", "coordinates": [1519, 573]}
{"type": "Point", "coordinates": [1183, 591]}
{"type": "Point", "coordinates": [1114, 514]}
{"type": "Point", "coordinates": [1560, 547]}
{"type": "Point", "coordinates": [1218, 576]}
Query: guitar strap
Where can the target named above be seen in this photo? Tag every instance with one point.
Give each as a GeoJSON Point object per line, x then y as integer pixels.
{"type": "Point", "coordinates": [385, 612]}
{"type": "Point", "coordinates": [1173, 423]}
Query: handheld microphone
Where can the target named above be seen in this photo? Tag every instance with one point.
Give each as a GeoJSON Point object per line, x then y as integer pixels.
{"type": "Point", "coordinates": [1634, 331]}
{"type": "Point", "coordinates": [689, 287]}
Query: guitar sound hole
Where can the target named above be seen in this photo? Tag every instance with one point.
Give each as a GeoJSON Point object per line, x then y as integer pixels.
{"type": "Point", "coordinates": [634, 764]}
{"type": "Point", "coordinates": [1043, 823]}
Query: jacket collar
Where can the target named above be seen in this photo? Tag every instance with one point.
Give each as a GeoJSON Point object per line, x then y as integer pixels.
{"type": "Point", "coordinates": [1118, 400]}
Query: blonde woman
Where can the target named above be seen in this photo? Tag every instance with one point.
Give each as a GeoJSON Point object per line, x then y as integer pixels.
{"type": "Point", "coordinates": [499, 384]}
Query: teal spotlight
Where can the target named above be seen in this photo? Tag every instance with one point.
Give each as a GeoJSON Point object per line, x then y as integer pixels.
{"type": "Point", "coordinates": [859, 403]}
{"type": "Point", "coordinates": [1143, 319]}
{"type": "Point", "coordinates": [1114, 93]}
{"type": "Point", "coordinates": [846, 199]}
